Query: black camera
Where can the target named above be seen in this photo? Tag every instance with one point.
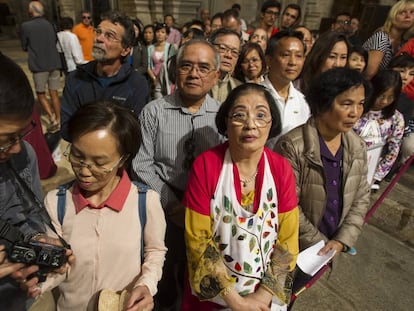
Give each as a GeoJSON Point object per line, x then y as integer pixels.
{"type": "Point", "coordinates": [47, 256]}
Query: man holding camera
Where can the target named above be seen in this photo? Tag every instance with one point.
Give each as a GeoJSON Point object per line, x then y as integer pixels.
{"type": "Point", "coordinates": [21, 207]}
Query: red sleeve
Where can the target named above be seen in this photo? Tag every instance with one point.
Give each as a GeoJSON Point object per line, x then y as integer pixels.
{"type": "Point", "coordinates": [203, 179]}
{"type": "Point", "coordinates": [284, 181]}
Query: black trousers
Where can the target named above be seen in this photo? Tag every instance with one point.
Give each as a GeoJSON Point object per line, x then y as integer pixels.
{"type": "Point", "coordinates": [171, 286]}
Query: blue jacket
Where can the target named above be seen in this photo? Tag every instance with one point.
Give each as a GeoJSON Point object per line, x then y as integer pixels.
{"type": "Point", "coordinates": [19, 209]}
{"type": "Point", "coordinates": [128, 87]}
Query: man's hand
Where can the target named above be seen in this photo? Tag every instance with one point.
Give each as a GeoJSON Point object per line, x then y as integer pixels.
{"type": "Point", "coordinates": [6, 267]}
{"type": "Point", "coordinates": [140, 299]}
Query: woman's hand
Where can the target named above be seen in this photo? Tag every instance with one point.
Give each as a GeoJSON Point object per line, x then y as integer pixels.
{"type": "Point", "coordinates": [140, 300]}
{"type": "Point", "coordinates": [250, 302]}
{"type": "Point", "coordinates": [332, 244]}
{"type": "Point", "coordinates": [7, 268]}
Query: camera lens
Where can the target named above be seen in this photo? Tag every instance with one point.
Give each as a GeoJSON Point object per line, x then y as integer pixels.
{"type": "Point", "coordinates": [29, 255]}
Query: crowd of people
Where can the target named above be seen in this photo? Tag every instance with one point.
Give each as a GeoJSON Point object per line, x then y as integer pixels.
{"type": "Point", "coordinates": [206, 157]}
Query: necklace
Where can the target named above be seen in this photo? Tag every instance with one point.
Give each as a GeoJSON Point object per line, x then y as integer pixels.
{"type": "Point", "coordinates": [248, 180]}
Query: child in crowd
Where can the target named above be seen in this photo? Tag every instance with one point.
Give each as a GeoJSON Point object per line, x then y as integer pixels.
{"type": "Point", "coordinates": [382, 126]}
{"type": "Point", "coordinates": [404, 64]}
{"type": "Point", "coordinates": [358, 58]}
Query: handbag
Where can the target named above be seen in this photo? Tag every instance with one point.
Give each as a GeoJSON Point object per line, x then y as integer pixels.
{"type": "Point", "coordinates": [64, 65]}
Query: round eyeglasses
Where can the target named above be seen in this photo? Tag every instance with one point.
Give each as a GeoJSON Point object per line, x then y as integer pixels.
{"type": "Point", "coordinates": [96, 170]}
{"type": "Point", "coordinates": [241, 118]}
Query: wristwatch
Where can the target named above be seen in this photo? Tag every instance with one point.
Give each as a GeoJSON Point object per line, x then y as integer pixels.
{"type": "Point", "coordinates": [345, 248]}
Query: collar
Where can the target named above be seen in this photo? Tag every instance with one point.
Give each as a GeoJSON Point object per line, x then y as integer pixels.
{"type": "Point", "coordinates": [115, 200]}
{"type": "Point", "coordinates": [123, 73]}
{"type": "Point", "coordinates": [267, 83]}
{"type": "Point", "coordinates": [173, 101]}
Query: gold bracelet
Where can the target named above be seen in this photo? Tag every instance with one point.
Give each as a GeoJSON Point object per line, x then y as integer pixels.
{"type": "Point", "coordinates": [225, 291]}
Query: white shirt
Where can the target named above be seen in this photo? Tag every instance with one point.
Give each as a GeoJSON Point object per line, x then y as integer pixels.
{"type": "Point", "coordinates": [293, 112]}
{"type": "Point", "coordinates": [72, 49]}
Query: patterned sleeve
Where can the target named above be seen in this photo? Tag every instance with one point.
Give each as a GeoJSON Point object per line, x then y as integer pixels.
{"type": "Point", "coordinates": [392, 147]}
{"type": "Point", "coordinates": [207, 273]}
{"type": "Point", "coordinates": [287, 247]}
{"type": "Point", "coordinates": [377, 42]}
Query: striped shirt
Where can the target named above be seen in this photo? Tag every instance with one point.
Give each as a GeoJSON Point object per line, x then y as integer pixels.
{"type": "Point", "coordinates": [167, 128]}
{"type": "Point", "coordinates": [380, 41]}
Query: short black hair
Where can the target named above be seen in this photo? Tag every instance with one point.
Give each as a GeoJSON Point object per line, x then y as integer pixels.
{"type": "Point", "coordinates": [331, 83]}
{"type": "Point", "coordinates": [402, 60]}
{"type": "Point", "coordinates": [236, 6]}
{"type": "Point", "coordinates": [117, 17]}
{"type": "Point", "coordinates": [106, 114]}
{"type": "Point", "coordinates": [66, 23]}
{"type": "Point", "coordinates": [295, 7]}
{"type": "Point", "coordinates": [222, 32]}
{"type": "Point", "coordinates": [16, 95]}
{"type": "Point", "coordinates": [288, 33]}
{"type": "Point", "coordinates": [381, 82]}
{"type": "Point", "coordinates": [270, 4]}
{"type": "Point", "coordinates": [343, 13]}
{"type": "Point", "coordinates": [244, 89]}
{"type": "Point", "coordinates": [159, 26]}
{"type": "Point", "coordinates": [359, 50]}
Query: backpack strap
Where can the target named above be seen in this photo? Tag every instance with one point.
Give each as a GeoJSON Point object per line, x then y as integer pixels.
{"type": "Point", "coordinates": [61, 203]}
{"type": "Point", "coordinates": [142, 211]}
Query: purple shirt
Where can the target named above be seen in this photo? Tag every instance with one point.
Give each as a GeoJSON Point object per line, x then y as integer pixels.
{"type": "Point", "coordinates": [333, 185]}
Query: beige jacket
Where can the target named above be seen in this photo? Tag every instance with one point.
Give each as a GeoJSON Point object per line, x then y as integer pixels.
{"type": "Point", "coordinates": [301, 147]}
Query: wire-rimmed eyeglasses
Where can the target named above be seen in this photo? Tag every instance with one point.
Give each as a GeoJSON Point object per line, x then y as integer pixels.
{"type": "Point", "coordinates": [18, 137]}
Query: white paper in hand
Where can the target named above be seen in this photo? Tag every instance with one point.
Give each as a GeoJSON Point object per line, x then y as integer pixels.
{"type": "Point", "coordinates": [310, 262]}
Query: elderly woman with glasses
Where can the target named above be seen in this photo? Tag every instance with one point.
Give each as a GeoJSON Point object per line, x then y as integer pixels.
{"type": "Point", "coordinates": [241, 224]}
{"type": "Point", "coordinates": [100, 214]}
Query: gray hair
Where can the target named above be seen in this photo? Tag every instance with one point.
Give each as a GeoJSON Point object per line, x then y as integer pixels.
{"type": "Point", "coordinates": [199, 41]}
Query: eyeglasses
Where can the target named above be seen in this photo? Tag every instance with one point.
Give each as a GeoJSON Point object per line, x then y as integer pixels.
{"type": "Point", "coordinates": [95, 169]}
{"type": "Point", "coordinates": [202, 69]}
{"type": "Point", "coordinates": [270, 12]}
{"type": "Point", "coordinates": [86, 17]}
{"type": "Point", "coordinates": [110, 36]}
{"type": "Point", "coordinates": [189, 148]}
{"type": "Point", "coordinates": [341, 22]}
{"type": "Point", "coordinates": [253, 60]}
{"type": "Point", "coordinates": [261, 119]}
{"type": "Point", "coordinates": [223, 49]}
{"type": "Point", "coordinates": [18, 137]}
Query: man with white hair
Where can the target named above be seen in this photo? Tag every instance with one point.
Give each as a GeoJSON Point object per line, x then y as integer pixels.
{"type": "Point", "coordinates": [38, 38]}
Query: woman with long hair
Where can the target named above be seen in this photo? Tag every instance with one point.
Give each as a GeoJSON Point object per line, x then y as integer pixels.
{"type": "Point", "coordinates": [329, 51]}
{"type": "Point", "coordinates": [385, 42]}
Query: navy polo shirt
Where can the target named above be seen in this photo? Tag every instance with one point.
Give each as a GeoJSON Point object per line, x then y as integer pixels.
{"type": "Point", "coordinates": [333, 185]}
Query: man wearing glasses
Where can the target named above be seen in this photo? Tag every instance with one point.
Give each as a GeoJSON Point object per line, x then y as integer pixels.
{"type": "Point", "coordinates": [270, 11]}
{"type": "Point", "coordinates": [342, 23]}
{"type": "Point", "coordinates": [18, 172]}
{"type": "Point", "coordinates": [109, 76]}
{"type": "Point", "coordinates": [176, 129]}
{"type": "Point", "coordinates": [227, 43]}
{"type": "Point", "coordinates": [85, 34]}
